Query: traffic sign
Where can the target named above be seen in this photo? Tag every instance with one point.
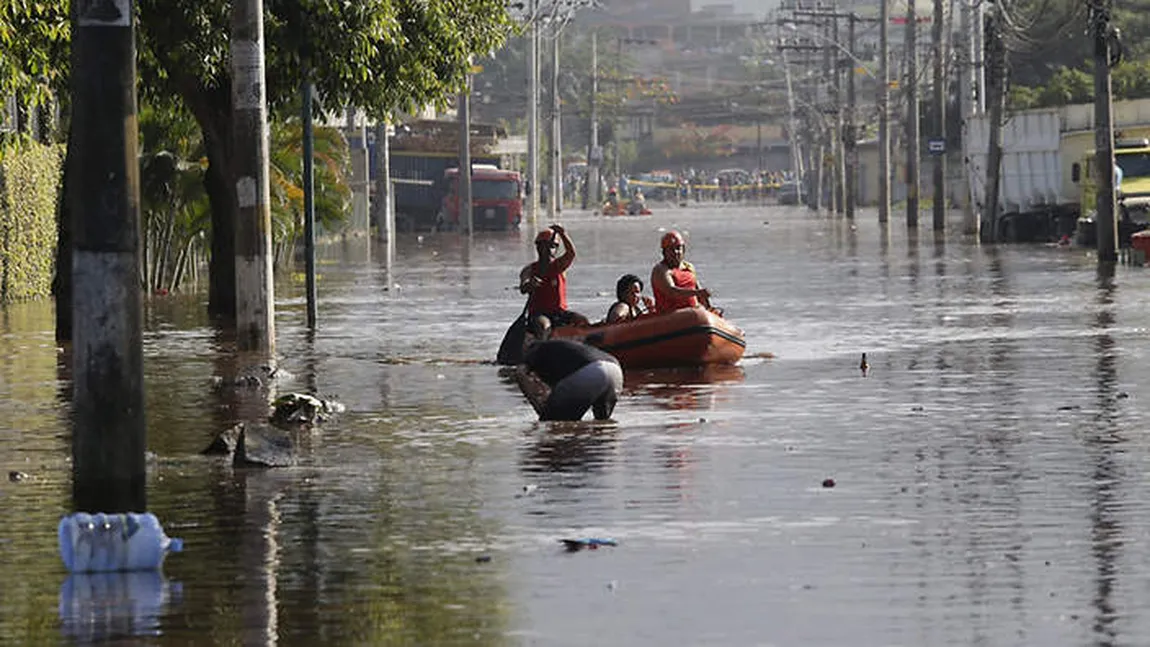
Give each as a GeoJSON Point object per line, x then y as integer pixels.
{"type": "Point", "coordinates": [936, 146]}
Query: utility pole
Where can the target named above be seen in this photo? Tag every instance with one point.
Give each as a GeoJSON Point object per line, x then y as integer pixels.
{"type": "Point", "coordinates": [108, 423]}
{"type": "Point", "coordinates": [533, 117]}
{"type": "Point", "coordinates": [384, 212]}
{"type": "Point", "coordinates": [793, 131]}
{"type": "Point", "coordinates": [996, 106]}
{"type": "Point", "coordinates": [967, 85]}
{"type": "Point", "coordinates": [850, 136]}
{"type": "Point", "coordinates": [591, 196]}
{"type": "Point", "coordinates": [466, 208]}
{"type": "Point", "coordinates": [255, 294]}
{"type": "Point", "coordinates": [838, 140]}
{"type": "Point", "coordinates": [1104, 57]}
{"type": "Point", "coordinates": [309, 196]}
{"type": "Point", "coordinates": [939, 119]}
{"type": "Point", "coordinates": [912, 143]}
{"type": "Point", "coordinates": [884, 113]}
{"type": "Point", "coordinates": [556, 134]}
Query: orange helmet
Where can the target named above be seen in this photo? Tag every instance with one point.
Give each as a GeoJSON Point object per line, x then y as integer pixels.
{"type": "Point", "coordinates": [545, 236]}
{"type": "Point", "coordinates": [673, 239]}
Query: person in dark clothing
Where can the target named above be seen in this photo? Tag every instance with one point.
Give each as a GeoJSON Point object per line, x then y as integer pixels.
{"type": "Point", "coordinates": [563, 378]}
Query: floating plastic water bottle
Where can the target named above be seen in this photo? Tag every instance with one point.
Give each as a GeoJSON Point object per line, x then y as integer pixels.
{"type": "Point", "coordinates": [102, 543]}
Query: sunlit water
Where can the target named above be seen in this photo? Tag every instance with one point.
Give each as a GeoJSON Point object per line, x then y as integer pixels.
{"type": "Point", "coordinates": [990, 471]}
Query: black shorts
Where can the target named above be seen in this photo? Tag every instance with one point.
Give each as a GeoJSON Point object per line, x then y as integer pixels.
{"type": "Point", "coordinates": [560, 318]}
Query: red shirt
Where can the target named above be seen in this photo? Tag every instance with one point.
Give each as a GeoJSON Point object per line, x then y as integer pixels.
{"type": "Point", "coordinates": [552, 295]}
{"type": "Point", "coordinates": [684, 278]}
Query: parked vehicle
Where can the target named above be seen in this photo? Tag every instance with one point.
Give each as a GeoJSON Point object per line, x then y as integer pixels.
{"type": "Point", "coordinates": [791, 192]}
{"type": "Point", "coordinates": [496, 194]}
{"type": "Point", "coordinates": [1033, 202]}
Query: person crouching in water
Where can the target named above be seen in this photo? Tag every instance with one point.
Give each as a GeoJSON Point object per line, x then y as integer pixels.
{"type": "Point", "coordinates": [563, 379]}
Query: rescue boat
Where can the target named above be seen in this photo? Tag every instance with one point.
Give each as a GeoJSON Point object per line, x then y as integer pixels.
{"type": "Point", "coordinates": [623, 210]}
{"type": "Point", "coordinates": [686, 337]}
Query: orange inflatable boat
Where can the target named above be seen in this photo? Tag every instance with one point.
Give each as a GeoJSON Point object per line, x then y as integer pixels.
{"type": "Point", "coordinates": [687, 337]}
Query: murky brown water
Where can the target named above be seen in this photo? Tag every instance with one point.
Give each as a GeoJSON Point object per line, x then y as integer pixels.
{"type": "Point", "coordinates": [991, 471]}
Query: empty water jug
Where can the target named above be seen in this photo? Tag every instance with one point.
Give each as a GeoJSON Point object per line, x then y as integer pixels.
{"type": "Point", "coordinates": [102, 543]}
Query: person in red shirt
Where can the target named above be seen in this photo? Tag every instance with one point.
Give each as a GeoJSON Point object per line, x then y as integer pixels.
{"type": "Point", "coordinates": [546, 279]}
{"type": "Point", "coordinates": [674, 280]}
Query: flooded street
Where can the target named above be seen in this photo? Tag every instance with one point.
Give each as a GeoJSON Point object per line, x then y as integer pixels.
{"type": "Point", "coordinates": [990, 473]}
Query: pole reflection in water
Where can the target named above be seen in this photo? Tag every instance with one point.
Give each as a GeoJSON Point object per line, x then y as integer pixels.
{"type": "Point", "coordinates": [259, 553]}
{"type": "Point", "coordinates": [102, 607]}
{"type": "Point", "coordinates": [1103, 443]}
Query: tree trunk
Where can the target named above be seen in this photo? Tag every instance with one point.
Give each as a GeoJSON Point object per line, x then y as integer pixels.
{"type": "Point", "coordinates": [212, 110]}
{"type": "Point", "coordinates": [62, 281]}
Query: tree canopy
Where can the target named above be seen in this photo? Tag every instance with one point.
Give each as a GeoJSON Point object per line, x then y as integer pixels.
{"type": "Point", "coordinates": [34, 41]}
{"type": "Point", "coordinates": [381, 55]}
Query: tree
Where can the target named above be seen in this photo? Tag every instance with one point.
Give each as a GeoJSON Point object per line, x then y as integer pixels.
{"type": "Point", "coordinates": [34, 36]}
{"type": "Point", "coordinates": [382, 55]}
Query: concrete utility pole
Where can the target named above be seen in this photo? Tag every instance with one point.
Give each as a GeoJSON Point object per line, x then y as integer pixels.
{"type": "Point", "coordinates": [309, 197]}
{"type": "Point", "coordinates": [967, 84]}
{"type": "Point", "coordinates": [939, 118]}
{"type": "Point", "coordinates": [591, 198]}
{"type": "Point", "coordinates": [466, 202]}
{"type": "Point", "coordinates": [996, 107]}
{"type": "Point", "coordinates": [1105, 220]}
{"type": "Point", "coordinates": [108, 424]}
{"type": "Point", "coordinates": [556, 134]}
{"type": "Point", "coordinates": [838, 140]}
{"type": "Point", "coordinates": [912, 143]}
{"type": "Point", "coordinates": [884, 113]}
{"type": "Point", "coordinates": [384, 214]}
{"type": "Point", "coordinates": [255, 294]}
{"type": "Point", "coordinates": [533, 118]}
{"type": "Point", "coordinates": [850, 135]}
{"type": "Point", "coordinates": [793, 129]}
{"type": "Point", "coordinates": [361, 171]}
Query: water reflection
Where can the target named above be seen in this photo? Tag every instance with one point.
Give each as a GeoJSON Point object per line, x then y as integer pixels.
{"type": "Point", "coordinates": [101, 607]}
{"type": "Point", "coordinates": [1104, 445]}
{"type": "Point", "coordinates": [583, 446]}
{"type": "Point", "coordinates": [688, 388]}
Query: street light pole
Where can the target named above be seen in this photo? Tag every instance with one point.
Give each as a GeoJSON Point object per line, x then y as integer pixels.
{"type": "Point", "coordinates": [533, 119]}
{"type": "Point", "coordinates": [884, 113]}
{"type": "Point", "coordinates": [556, 200]}
{"type": "Point", "coordinates": [850, 136]}
{"type": "Point", "coordinates": [591, 195]}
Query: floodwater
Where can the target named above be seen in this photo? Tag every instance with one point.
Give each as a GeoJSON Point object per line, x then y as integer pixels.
{"type": "Point", "coordinates": [990, 473]}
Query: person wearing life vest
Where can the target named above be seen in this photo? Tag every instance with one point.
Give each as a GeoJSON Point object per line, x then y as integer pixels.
{"type": "Point", "coordinates": [546, 279]}
{"type": "Point", "coordinates": [674, 280]}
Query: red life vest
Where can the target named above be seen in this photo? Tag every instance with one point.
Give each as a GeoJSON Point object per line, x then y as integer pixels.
{"type": "Point", "coordinates": [552, 295]}
{"type": "Point", "coordinates": [684, 278]}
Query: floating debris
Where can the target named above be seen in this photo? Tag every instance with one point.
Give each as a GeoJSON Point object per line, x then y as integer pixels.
{"type": "Point", "coordinates": [828, 482]}
{"type": "Point", "coordinates": [590, 543]}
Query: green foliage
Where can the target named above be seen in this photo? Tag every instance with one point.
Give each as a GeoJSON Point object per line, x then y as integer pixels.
{"type": "Point", "coordinates": [29, 177]}
{"type": "Point", "coordinates": [382, 55]}
{"type": "Point", "coordinates": [332, 195]}
{"type": "Point", "coordinates": [34, 41]}
{"type": "Point", "coordinates": [1130, 80]}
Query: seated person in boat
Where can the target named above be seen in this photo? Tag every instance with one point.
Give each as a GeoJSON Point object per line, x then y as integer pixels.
{"type": "Point", "coordinates": [563, 378]}
{"type": "Point", "coordinates": [673, 279]}
{"type": "Point", "coordinates": [546, 279]}
{"type": "Point", "coordinates": [631, 301]}
{"type": "Point", "coordinates": [638, 202]}
{"type": "Point", "coordinates": [612, 198]}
